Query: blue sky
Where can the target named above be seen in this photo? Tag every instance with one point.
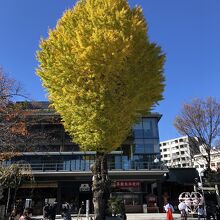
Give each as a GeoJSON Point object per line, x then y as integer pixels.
{"type": "Point", "coordinates": [188, 32]}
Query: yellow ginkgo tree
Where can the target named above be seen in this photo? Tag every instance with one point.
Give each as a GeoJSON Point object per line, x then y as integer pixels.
{"type": "Point", "coordinates": [102, 73]}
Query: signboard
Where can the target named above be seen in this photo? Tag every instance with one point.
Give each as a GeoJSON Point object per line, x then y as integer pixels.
{"type": "Point", "coordinates": [84, 188]}
{"type": "Point", "coordinates": [131, 184]}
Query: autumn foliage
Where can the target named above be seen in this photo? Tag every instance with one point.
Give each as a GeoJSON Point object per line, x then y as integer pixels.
{"type": "Point", "coordinates": [101, 71]}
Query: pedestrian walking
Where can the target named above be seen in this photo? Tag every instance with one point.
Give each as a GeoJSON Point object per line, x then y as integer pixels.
{"type": "Point", "coordinates": [183, 210]}
{"type": "Point", "coordinates": [169, 210]}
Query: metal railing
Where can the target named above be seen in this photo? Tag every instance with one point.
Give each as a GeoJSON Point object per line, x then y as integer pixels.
{"type": "Point", "coordinates": [74, 166]}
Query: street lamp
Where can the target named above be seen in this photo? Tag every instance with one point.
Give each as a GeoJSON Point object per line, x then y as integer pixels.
{"type": "Point", "coordinates": [156, 160]}
{"type": "Point", "coordinates": [200, 184]}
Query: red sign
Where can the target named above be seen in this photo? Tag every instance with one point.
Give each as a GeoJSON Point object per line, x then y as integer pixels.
{"type": "Point", "coordinates": [128, 184]}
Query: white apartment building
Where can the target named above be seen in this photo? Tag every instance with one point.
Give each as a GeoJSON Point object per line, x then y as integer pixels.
{"type": "Point", "coordinates": [200, 162]}
{"type": "Point", "coordinates": [176, 152]}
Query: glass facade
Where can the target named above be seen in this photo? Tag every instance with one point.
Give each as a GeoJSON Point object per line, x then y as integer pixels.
{"type": "Point", "coordinates": [52, 148]}
{"type": "Point", "coordinates": [138, 152]}
{"type": "Point", "coordinates": [145, 142]}
{"type": "Point", "coordinates": [146, 136]}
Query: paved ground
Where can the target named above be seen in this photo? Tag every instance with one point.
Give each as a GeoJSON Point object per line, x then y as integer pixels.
{"type": "Point", "coordinates": [135, 216]}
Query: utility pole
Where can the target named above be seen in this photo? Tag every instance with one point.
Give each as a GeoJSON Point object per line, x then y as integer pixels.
{"type": "Point", "coordinates": [200, 172]}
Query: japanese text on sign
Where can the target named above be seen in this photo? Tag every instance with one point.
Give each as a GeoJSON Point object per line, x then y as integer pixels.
{"type": "Point", "coordinates": [127, 184]}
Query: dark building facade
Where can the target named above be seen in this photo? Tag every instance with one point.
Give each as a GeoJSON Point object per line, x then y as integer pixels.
{"type": "Point", "coordinates": [62, 171]}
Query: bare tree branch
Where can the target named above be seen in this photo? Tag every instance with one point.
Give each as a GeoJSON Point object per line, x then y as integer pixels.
{"type": "Point", "coordinates": [200, 121]}
{"type": "Point", "coordinates": [17, 120]}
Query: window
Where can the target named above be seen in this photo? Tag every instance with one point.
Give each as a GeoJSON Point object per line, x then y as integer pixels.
{"type": "Point", "coordinates": [149, 148]}
{"type": "Point", "coordinates": [212, 164]}
{"type": "Point", "coordinates": [117, 162]}
{"type": "Point", "coordinates": [138, 130]}
{"type": "Point", "coordinates": [145, 146]}
{"type": "Point", "coordinates": [150, 128]}
{"type": "Point", "coordinates": [139, 146]}
{"type": "Point", "coordinates": [174, 155]}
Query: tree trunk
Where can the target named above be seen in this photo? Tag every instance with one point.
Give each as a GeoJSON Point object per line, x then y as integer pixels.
{"type": "Point", "coordinates": [100, 186]}
{"type": "Point", "coordinates": [14, 197]}
{"type": "Point", "coordinates": [208, 158]}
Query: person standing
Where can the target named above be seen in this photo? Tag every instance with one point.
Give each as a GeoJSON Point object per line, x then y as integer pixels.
{"type": "Point", "coordinates": [169, 210]}
{"type": "Point", "coordinates": [53, 210]}
{"type": "Point", "coordinates": [183, 210]}
{"type": "Point", "coordinates": [218, 212]}
{"type": "Point", "coordinates": [27, 214]}
{"type": "Point", "coordinates": [211, 210]}
{"type": "Point", "coordinates": [66, 211]}
{"type": "Point", "coordinates": [46, 211]}
{"type": "Point", "coordinates": [200, 212]}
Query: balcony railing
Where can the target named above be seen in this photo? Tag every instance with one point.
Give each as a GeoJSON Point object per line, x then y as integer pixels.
{"type": "Point", "coordinates": [79, 166]}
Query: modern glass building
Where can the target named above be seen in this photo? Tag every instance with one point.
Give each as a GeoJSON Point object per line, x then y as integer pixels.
{"type": "Point", "coordinates": [62, 171]}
